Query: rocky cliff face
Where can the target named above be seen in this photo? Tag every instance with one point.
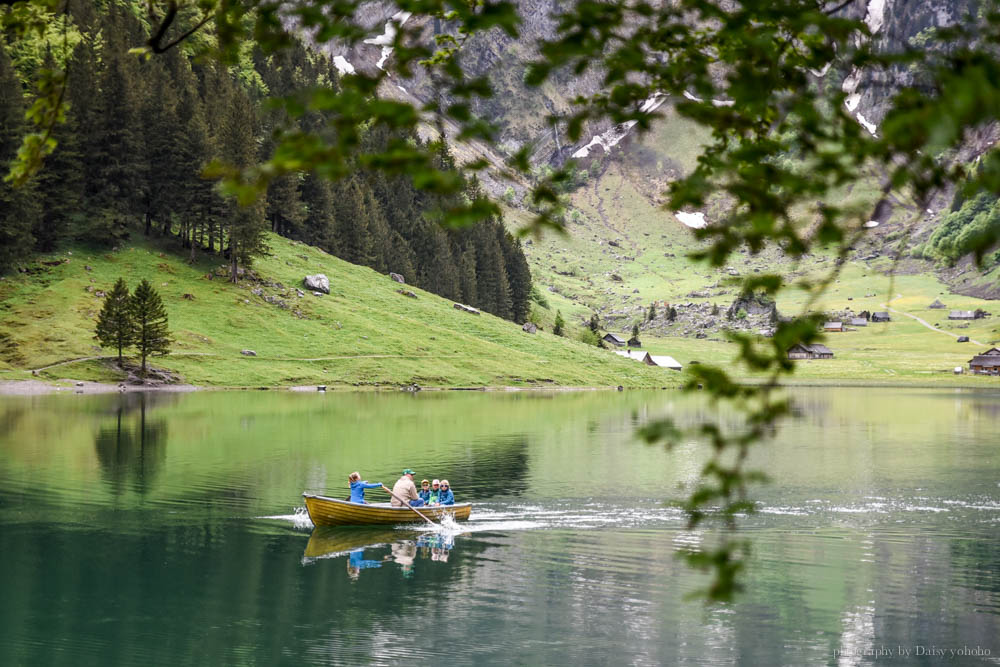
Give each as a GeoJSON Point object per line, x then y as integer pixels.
{"type": "Point", "coordinates": [521, 112]}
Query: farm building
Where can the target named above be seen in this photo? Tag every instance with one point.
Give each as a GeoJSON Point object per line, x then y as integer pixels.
{"type": "Point", "coordinates": [634, 342]}
{"type": "Point", "coordinates": [881, 317]}
{"type": "Point", "coordinates": [961, 315]}
{"type": "Point", "coordinates": [937, 305]}
{"type": "Point", "coordinates": [614, 340]}
{"type": "Point", "coordinates": [858, 322]}
{"type": "Point", "coordinates": [833, 326]}
{"type": "Point", "coordinates": [636, 355]}
{"type": "Point", "coordinates": [812, 351]}
{"type": "Point", "coordinates": [987, 363]}
{"type": "Point", "coordinates": [665, 361]}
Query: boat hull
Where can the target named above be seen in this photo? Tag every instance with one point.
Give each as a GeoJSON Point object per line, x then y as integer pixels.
{"type": "Point", "coordinates": [324, 511]}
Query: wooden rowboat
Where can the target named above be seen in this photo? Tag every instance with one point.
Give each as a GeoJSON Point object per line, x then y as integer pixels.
{"type": "Point", "coordinates": [324, 511]}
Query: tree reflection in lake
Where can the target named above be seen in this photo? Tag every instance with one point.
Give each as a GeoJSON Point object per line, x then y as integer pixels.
{"type": "Point", "coordinates": [132, 449]}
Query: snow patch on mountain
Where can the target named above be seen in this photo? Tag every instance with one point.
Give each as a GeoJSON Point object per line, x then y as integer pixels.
{"type": "Point", "coordinates": [342, 65]}
{"type": "Point", "coordinates": [387, 37]}
{"type": "Point", "coordinates": [609, 139]}
{"type": "Point", "coordinates": [694, 220]}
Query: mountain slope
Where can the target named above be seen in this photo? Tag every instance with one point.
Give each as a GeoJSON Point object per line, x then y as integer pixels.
{"type": "Point", "coordinates": [363, 333]}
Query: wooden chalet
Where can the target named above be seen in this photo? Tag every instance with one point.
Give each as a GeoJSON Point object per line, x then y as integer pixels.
{"type": "Point", "coordinates": [858, 322]}
{"type": "Point", "coordinates": [634, 342]}
{"type": "Point", "coordinates": [937, 305]}
{"type": "Point", "coordinates": [987, 363]}
{"type": "Point", "coordinates": [833, 326]}
{"type": "Point", "coordinates": [962, 315]}
{"type": "Point", "coordinates": [881, 317]}
{"type": "Point", "coordinates": [614, 340]}
{"type": "Point", "coordinates": [812, 351]}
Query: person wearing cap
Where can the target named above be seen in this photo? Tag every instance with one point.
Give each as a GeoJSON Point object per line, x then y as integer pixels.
{"type": "Point", "coordinates": [405, 490]}
{"type": "Point", "coordinates": [435, 489]}
{"type": "Point", "coordinates": [445, 495]}
{"type": "Point", "coordinates": [425, 491]}
{"type": "Point", "coordinates": [358, 487]}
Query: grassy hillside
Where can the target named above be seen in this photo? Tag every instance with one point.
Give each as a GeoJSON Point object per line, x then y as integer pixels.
{"type": "Point", "coordinates": [363, 333]}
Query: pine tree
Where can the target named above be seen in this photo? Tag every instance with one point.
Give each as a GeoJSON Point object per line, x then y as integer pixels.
{"type": "Point", "coordinates": [559, 325]}
{"type": "Point", "coordinates": [115, 156]}
{"type": "Point", "coordinates": [652, 312]}
{"type": "Point", "coordinates": [114, 323]}
{"type": "Point", "coordinates": [518, 274]}
{"type": "Point", "coordinates": [246, 224]}
{"type": "Point", "coordinates": [18, 210]}
{"type": "Point", "coordinates": [150, 320]}
{"type": "Point", "coordinates": [595, 324]}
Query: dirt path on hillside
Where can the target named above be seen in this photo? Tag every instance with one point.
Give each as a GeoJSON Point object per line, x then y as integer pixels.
{"type": "Point", "coordinates": [923, 321]}
{"type": "Point", "coordinates": [114, 356]}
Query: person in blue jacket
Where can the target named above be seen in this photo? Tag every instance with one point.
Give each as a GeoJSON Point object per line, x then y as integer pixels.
{"type": "Point", "coordinates": [358, 487]}
{"type": "Point", "coordinates": [425, 491]}
{"type": "Point", "coordinates": [445, 495]}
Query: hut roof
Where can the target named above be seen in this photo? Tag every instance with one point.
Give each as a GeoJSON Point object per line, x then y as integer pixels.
{"type": "Point", "coordinates": [962, 315]}
{"type": "Point", "coordinates": [614, 338]}
{"type": "Point", "coordinates": [937, 304]}
{"type": "Point", "coordinates": [666, 362]}
{"type": "Point", "coordinates": [638, 355]}
{"type": "Point", "coordinates": [819, 348]}
{"type": "Point", "coordinates": [833, 325]}
{"type": "Point", "coordinates": [859, 322]}
{"type": "Point", "coordinates": [985, 360]}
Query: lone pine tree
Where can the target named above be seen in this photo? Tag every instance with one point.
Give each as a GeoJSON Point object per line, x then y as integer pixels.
{"type": "Point", "coordinates": [560, 323]}
{"type": "Point", "coordinates": [150, 320]}
{"type": "Point", "coordinates": [114, 323]}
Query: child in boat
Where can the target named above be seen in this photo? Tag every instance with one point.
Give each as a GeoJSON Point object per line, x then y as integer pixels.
{"type": "Point", "coordinates": [445, 494]}
{"type": "Point", "coordinates": [425, 491]}
{"type": "Point", "coordinates": [358, 487]}
{"type": "Point", "coordinates": [435, 491]}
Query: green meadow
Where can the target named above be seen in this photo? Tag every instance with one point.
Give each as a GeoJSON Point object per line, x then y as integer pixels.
{"type": "Point", "coordinates": [363, 334]}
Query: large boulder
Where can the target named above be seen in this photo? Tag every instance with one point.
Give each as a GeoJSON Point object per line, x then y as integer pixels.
{"type": "Point", "coordinates": [466, 309]}
{"type": "Point", "coordinates": [529, 327]}
{"type": "Point", "coordinates": [317, 283]}
{"type": "Point", "coordinates": [398, 278]}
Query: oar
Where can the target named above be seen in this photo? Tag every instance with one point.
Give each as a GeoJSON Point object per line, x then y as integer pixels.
{"type": "Point", "coordinates": [420, 514]}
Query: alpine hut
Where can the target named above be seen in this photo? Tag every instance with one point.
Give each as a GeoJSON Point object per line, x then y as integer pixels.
{"type": "Point", "coordinates": [987, 363]}
{"type": "Point", "coordinates": [810, 351]}
{"type": "Point", "coordinates": [614, 340]}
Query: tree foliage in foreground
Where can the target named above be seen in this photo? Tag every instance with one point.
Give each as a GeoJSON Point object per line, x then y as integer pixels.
{"type": "Point", "coordinates": [783, 143]}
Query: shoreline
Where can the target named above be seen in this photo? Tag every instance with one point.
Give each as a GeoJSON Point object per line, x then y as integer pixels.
{"type": "Point", "coordinates": [35, 387]}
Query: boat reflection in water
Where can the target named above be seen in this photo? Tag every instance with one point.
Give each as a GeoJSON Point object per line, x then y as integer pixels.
{"type": "Point", "coordinates": [405, 547]}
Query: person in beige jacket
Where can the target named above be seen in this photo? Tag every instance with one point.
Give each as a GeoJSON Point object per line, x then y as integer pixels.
{"type": "Point", "coordinates": [405, 489]}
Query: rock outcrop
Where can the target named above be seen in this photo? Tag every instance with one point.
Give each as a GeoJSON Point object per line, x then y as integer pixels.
{"type": "Point", "coordinates": [317, 283]}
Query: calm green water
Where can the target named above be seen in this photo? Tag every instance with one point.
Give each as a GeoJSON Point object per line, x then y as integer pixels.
{"type": "Point", "coordinates": [165, 530]}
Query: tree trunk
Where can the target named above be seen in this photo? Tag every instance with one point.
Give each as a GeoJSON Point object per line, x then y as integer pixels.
{"type": "Point", "coordinates": [232, 259]}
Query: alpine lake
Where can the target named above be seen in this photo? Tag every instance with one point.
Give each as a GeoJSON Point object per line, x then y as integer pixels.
{"type": "Point", "coordinates": [168, 529]}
